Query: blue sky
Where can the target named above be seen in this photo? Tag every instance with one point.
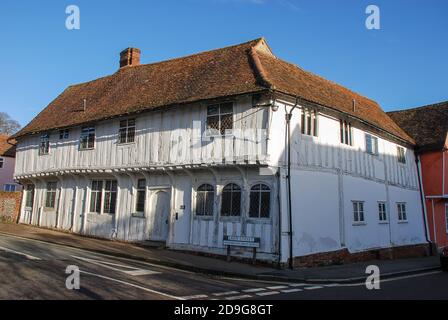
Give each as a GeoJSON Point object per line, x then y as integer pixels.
{"type": "Point", "coordinates": [404, 64]}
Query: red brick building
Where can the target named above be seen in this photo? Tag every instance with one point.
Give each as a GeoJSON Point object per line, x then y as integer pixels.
{"type": "Point", "coordinates": [428, 125]}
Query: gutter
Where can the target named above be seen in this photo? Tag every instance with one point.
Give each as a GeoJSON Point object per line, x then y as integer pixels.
{"type": "Point", "coordinates": [424, 211]}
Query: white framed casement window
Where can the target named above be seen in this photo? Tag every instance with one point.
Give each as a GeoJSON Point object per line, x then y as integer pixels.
{"type": "Point", "coordinates": [401, 155]}
{"type": "Point", "coordinates": [87, 139]}
{"type": "Point", "coordinates": [231, 200]}
{"type": "Point", "coordinates": [141, 196]}
{"type": "Point", "coordinates": [96, 193]}
{"type": "Point", "coordinates": [63, 134]}
{"type": "Point", "coordinates": [358, 212]}
{"type": "Point", "coordinates": [371, 144]}
{"type": "Point", "coordinates": [29, 195]}
{"type": "Point", "coordinates": [44, 146]}
{"type": "Point", "coordinates": [219, 119]}
{"type": "Point", "coordinates": [205, 199]}
{"type": "Point", "coordinates": [50, 195]}
{"type": "Point", "coordinates": [260, 201]}
{"type": "Point", "coordinates": [308, 122]}
{"type": "Point", "coordinates": [346, 134]}
{"type": "Point", "coordinates": [103, 196]}
{"type": "Point", "coordinates": [401, 210]}
{"type": "Point", "coordinates": [10, 187]}
{"type": "Point", "coordinates": [126, 133]}
{"type": "Point", "coordinates": [382, 213]}
{"type": "Point", "coordinates": [110, 196]}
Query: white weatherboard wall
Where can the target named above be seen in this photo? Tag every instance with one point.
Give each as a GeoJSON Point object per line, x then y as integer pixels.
{"type": "Point", "coordinates": [326, 176]}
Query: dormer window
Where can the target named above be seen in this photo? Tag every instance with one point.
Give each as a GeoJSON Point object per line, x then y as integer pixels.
{"type": "Point", "coordinates": [44, 146]}
{"type": "Point", "coordinates": [220, 119]}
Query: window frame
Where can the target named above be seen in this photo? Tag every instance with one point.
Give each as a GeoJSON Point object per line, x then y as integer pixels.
{"type": "Point", "coordinates": [309, 122]}
{"type": "Point", "coordinates": [29, 195]}
{"type": "Point", "coordinates": [2, 162]}
{"type": "Point", "coordinates": [64, 134]}
{"type": "Point", "coordinates": [103, 196]}
{"type": "Point", "coordinates": [209, 132]}
{"type": "Point", "coordinates": [232, 191]}
{"type": "Point", "coordinates": [52, 193]}
{"type": "Point", "coordinates": [260, 192]}
{"type": "Point", "coordinates": [401, 155]}
{"type": "Point", "coordinates": [140, 191]}
{"type": "Point", "coordinates": [129, 131]}
{"type": "Point", "coordinates": [346, 132]}
{"type": "Point", "coordinates": [206, 192]}
{"type": "Point", "coordinates": [400, 206]}
{"type": "Point", "coordinates": [44, 144]}
{"type": "Point", "coordinates": [382, 216]}
{"type": "Point", "coordinates": [110, 196]}
{"type": "Point", "coordinates": [5, 187]}
{"type": "Point", "coordinates": [87, 133]}
{"type": "Point", "coordinates": [374, 145]}
{"type": "Point", "coordinates": [356, 213]}
{"type": "Point", "coordinates": [98, 196]}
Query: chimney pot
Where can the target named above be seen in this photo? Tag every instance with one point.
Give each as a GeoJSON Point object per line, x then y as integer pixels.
{"type": "Point", "coordinates": [129, 57]}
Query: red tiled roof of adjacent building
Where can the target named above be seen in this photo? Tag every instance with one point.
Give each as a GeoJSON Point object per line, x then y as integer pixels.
{"type": "Point", "coordinates": [6, 149]}
{"type": "Point", "coordinates": [428, 125]}
{"type": "Point", "coordinates": [244, 68]}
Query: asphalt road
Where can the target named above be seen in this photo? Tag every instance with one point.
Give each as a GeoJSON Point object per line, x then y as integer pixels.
{"type": "Point", "coordinates": [31, 269]}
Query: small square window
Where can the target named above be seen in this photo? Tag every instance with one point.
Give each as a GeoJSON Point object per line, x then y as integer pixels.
{"type": "Point", "coordinates": [63, 134]}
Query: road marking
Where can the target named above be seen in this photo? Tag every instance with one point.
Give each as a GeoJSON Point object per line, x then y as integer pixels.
{"type": "Point", "coordinates": [28, 256]}
{"type": "Point", "coordinates": [291, 290]}
{"type": "Point", "coordinates": [198, 296]}
{"type": "Point", "coordinates": [313, 288]}
{"type": "Point", "coordinates": [228, 293]}
{"type": "Point", "coordinates": [277, 287]}
{"type": "Point", "coordinates": [110, 265]}
{"type": "Point", "coordinates": [238, 297]}
{"type": "Point", "coordinates": [254, 290]}
{"type": "Point", "coordinates": [391, 279]}
{"type": "Point", "coordinates": [132, 285]}
{"type": "Point", "coordinates": [297, 284]}
{"type": "Point", "coordinates": [332, 285]}
{"type": "Point", "coordinates": [267, 293]}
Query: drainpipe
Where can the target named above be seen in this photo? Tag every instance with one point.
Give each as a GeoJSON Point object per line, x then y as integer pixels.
{"type": "Point", "coordinates": [288, 117]}
{"type": "Point", "coordinates": [422, 199]}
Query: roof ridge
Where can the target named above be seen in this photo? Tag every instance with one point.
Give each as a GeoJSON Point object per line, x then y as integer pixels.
{"type": "Point", "coordinates": [437, 104]}
{"type": "Point", "coordinates": [254, 41]}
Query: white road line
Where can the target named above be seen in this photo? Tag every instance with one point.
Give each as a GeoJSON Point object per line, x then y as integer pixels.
{"type": "Point", "coordinates": [133, 271]}
{"type": "Point", "coordinates": [28, 256]}
{"type": "Point", "coordinates": [228, 293]}
{"type": "Point", "coordinates": [392, 279]}
{"type": "Point", "coordinates": [132, 285]}
{"type": "Point", "coordinates": [332, 285]}
{"type": "Point", "coordinates": [198, 296]}
{"type": "Point", "coordinates": [297, 284]}
{"type": "Point", "coordinates": [277, 287]}
{"type": "Point", "coordinates": [267, 293]}
{"type": "Point", "coordinates": [291, 290]}
{"type": "Point", "coordinates": [238, 297]}
{"type": "Point", "coordinates": [313, 287]}
{"type": "Point", "coordinates": [253, 290]}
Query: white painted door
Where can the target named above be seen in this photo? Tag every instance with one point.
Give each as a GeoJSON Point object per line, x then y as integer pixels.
{"type": "Point", "coordinates": [158, 220]}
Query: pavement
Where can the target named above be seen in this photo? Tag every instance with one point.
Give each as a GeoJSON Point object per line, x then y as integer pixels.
{"type": "Point", "coordinates": [342, 274]}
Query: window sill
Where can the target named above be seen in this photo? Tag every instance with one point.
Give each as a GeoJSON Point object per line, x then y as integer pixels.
{"type": "Point", "coordinates": [383, 222]}
{"type": "Point", "coordinates": [140, 215]}
{"type": "Point", "coordinates": [359, 224]}
{"type": "Point", "coordinates": [404, 221]}
{"type": "Point", "coordinates": [259, 220]}
{"type": "Point", "coordinates": [86, 149]}
{"type": "Point", "coordinates": [126, 144]}
{"type": "Point", "coordinates": [203, 217]}
{"type": "Point", "coordinates": [229, 218]}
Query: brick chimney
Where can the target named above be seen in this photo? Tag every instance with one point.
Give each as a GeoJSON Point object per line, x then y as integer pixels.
{"type": "Point", "coordinates": [129, 57]}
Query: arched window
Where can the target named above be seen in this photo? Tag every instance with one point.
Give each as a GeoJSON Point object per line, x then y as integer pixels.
{"type": "Point", "coordinates": [231, 200]}
{"type": "Point", "coordinates": [260, 201]}
{"type": "Point", "coordinates": [205, 196]}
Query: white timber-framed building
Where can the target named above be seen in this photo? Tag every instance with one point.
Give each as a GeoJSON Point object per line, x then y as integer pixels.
{"type": "Point", "coordinates": [189, 150]}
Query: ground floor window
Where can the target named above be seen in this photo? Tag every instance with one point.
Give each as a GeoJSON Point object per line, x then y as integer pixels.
{"type": "Point", "coordinates": [110, 196]}
{"type": "Point", "coordinates": [95, 196]}
{"type": "Point", "coordinates": [141, 196]}
{"type": "Point", "coordinates": [231, 200]}
{"type": "Point", "coordinates": [382, 211]}
{"type": "Point", "coordinates": [358, 212]}
{"type": "Point", "coordinates": [29, 195]}
{"type": "Point", "coordinates": [50, 198]}
{"type": "Point", "coordinates": [205, 196]}
{"type": "Point", "coordinates": [260, 201]}
{"type": "Point", "coordinates": [402, 216]}
{"type": "Point", "coordinates": [103, 191]}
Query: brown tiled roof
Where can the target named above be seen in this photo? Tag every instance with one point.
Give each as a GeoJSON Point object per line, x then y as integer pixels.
{"type": "Point", "coordinates": [428, 125]}
{"type": "Point", "coordinates": [244, 68]}
{"type": "Point", "coordinates": [6, 150]}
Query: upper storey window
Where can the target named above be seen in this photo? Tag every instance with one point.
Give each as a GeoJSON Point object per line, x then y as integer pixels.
{"type": "Point", "coordinates": [220, 119]}
{"type": "Point", "coordinates": [2, 161]}
{"type": "Point", "coordinates": [44, 146]}
{"type": "Point", "coordinates": [127, 131]}
{"type": "Point", "coordinates": [401, 155]}
{"type": "Point", "coordinates": [346, 132]}
{"type": "Point", "coordinates": [63, 134]}
{"type": "Point", "coordinates": [371, 144]}
{"type": "Point", "coordinates": [309, 122]}
{"type": "Point", "coordinates": [87, 140]}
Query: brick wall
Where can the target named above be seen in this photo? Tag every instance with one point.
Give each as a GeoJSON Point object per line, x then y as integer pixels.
{"type": "Point", "coordinates": [10, 205]}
